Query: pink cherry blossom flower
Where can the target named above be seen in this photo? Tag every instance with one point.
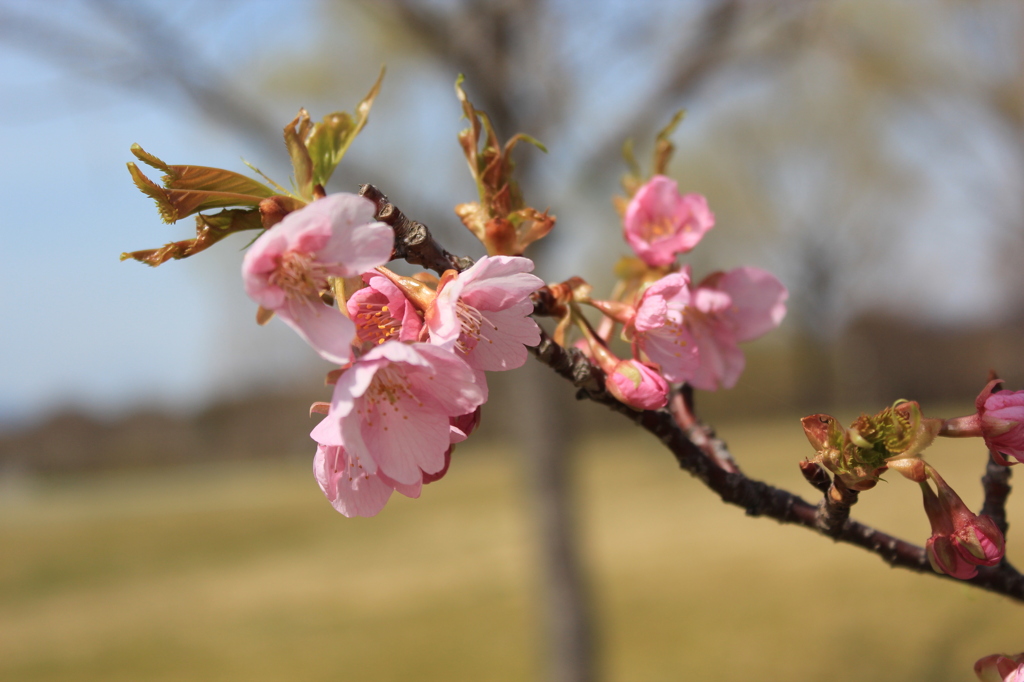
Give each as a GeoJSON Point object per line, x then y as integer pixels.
{"type": "Point", "coordinates": [381, 311]}
{"type": "Point", "coordinates": [483, 313]}
{"type": "Point", "coordinates": [1001, 414]}
{"type": "Point", "coordinates": [659, 223]}
{"type": "Point", "coordinates": [729, 308]}
{"type": "Point", "coordinates": [354, 486]}
{"type": "Point", "coordinates": [1000, 668]}
{"type": "Point", "coordinates": [461, 427]}
{"type": "Point", "coordinates": [659, 327]}
{"type": "Point", "coordinates": [999, 420]}
{"type": "Point", "coordinates": [394, 405]}
{"type": "Point", "coordinates": [288, 266]}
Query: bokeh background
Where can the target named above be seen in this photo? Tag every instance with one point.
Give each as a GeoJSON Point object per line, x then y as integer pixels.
{"type": "Point", "coordinates": [158, 519]}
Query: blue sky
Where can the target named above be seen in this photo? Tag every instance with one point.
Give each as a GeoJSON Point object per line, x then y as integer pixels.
{"type": "Point", "coordinates": [81, 329]}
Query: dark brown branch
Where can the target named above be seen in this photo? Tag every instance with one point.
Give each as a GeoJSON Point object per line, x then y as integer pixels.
{"type": "Point", "coordinates": [413, 241]}
{"type": "Point", "coordinates": [680, 405]}
{"type": "Point", "coordinates": [757, 498]}
{"type": "Point", "coordinates": [834, 508]}
{"type": "Point", "coordinates": [695, 61]}
{"type": "Point", "coordinates": [996, 484]}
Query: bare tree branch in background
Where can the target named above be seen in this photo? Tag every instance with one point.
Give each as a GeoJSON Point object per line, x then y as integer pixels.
{"type": "Point", "coordinates": [156, 61]}
{"type": "Point", "coordinates": [692, 63]}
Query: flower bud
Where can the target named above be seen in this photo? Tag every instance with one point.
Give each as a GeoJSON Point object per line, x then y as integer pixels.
{"type": "Point", "coordinates": [637, 385]}
{"type": "Point", "coordinates": [960, 538]}
{"type": "Point", "coordinates": [631, 382]}
{"type": "Point", "coordinates": [1000, 668]}
{"type": "Point", "coordinates": [979, 541]}
{"type": "Point", "coordinates": [945, 559]}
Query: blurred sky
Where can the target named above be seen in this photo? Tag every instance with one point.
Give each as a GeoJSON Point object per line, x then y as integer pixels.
{"type": "Point", "coordinates": [79, 327]}
{"type": "Point", "coordinates": [82, 329]}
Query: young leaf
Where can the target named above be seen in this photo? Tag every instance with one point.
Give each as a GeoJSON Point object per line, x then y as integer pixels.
{"type": "Point", "coordinates": [326, 144]}
{"type": "Point", "coordinates": [328, 140]}
{"type": "Point", "coordinates": [175, 204]}
{"type": "Point", "coordinates": [214, 180]}
{"type": "Point", "coordinates": [663, 146]}
{"type": "Point", "coordinates": [295, 134]}
{"type": "Point", "coordinates": [209, 230]}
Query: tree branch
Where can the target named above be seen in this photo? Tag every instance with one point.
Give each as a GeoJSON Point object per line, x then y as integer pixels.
{"type": "Point", "coordinates": [996, 484]}
{"type": "Point", "coordinates": [757, 498]}
{"type": "Point", "coordinates": [413, 241]}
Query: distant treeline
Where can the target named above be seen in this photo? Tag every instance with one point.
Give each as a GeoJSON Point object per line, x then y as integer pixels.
{"type": "Point", "coordinates": [876, 361]}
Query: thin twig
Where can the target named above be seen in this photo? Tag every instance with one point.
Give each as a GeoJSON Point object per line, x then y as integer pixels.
{"type": "Point", "coordinates": [680, 405]}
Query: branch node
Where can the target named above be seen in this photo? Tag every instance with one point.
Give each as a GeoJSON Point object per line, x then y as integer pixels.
{"type": "Point", "coordinates": [834, 509]}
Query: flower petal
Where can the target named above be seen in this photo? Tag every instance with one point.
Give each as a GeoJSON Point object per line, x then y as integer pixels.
{"type": "Point", "coordinates": [504, 336]}
{"type": "Point", "coordinates": [324, 328]}
{"type": "Point", "coordinates": [351, 490]}
{"type": "Point", "coordinates": [758, 301]}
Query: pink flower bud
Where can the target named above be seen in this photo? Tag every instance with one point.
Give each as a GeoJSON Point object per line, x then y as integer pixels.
{"type": "Point", "coordinates": [1000, 668]}
{"type": "Point", "coordinates": [978, 539]}
{"type": "Point", "coordinates": [660, 223]}
{"type": "Point", "coordinates": [637, 385]}
{"type": "Point", "coordinates": [960, 538]}
{"type": "Point", "coordinates": [945, 559]}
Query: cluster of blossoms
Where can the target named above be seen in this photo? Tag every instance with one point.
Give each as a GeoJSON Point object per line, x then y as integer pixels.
{"type": "Point", "coordinates": [679, 332]}
{"type": "Point", "coordinates": [896, 438]}
{"type": "Point", "coordinates": [412, 352]}
{"type": "Point", "coordinates": [412, 358]}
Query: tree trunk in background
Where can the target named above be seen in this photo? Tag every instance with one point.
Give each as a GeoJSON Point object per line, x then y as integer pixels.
{"type": "Point", "coordinates": [548, 448]}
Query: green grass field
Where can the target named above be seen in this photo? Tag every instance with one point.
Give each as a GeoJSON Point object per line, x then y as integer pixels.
{"type": "Point", "coordinates": [243, 571]}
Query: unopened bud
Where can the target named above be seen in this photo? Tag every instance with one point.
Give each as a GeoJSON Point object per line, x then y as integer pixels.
{"type": "Point", "coordinates": [637, 385]}
{"type": "Point", "coordinates": [1000, 668]}
{"type": "Point", "coordinates": [979, 541]}
{"type": "Point", "coordinates": [944, 558]}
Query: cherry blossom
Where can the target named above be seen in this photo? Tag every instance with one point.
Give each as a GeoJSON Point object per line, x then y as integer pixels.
{"type": "Point", "coordinates": [394, 405]}
{"type": "Point", "coordinates": [659, 327]}
{"type": "Point", "coordinates": [660, 223]}
{"type": "Point", "coordinates": [353, 485]}
{"type": "Point", "coordinates": [483, 313]}
{"type": "Point", "coordinates": [287, 268]}
{"type": "Point", "coordinates": [730, 308]}
{"type": "Point", "coordinates": [381, 311]}
{"type": "Point", "coordinates": [1001, 414]}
